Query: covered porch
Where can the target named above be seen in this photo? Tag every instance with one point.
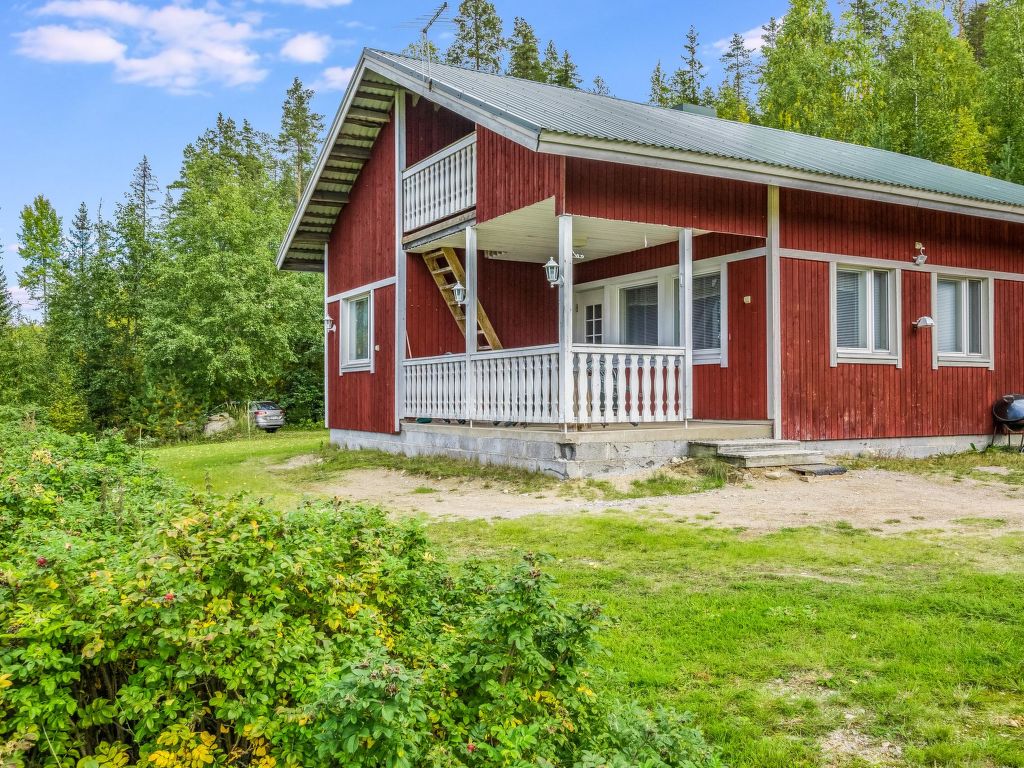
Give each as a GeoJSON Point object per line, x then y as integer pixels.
{"type": "Point", "coordinates": [547, 339]}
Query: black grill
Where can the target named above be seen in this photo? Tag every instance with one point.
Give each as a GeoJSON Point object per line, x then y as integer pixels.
{"type": "Point", "coordinates": [1008, 417]}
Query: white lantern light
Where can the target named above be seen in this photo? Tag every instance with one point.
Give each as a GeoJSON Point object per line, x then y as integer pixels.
{"type": "Point", "coordinates": [459, 292]}
{"type": "Point", "coordinates": [923, 322]}
{"type": "Point", "coordinates": [552, 272]}
{"type": "Point", "coordinates": [329, 326]}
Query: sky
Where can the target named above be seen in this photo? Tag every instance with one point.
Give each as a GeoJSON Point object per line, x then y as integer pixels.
{"type": "Point", "coordinates": [90, 86]}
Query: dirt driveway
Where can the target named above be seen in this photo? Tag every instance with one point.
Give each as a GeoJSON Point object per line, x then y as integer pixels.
{"type": "Point", "coordinates": [883, 501]}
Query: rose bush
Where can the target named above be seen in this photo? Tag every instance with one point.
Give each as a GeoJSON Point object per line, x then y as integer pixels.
{"type": "Point", "coordinates": [143, 624]}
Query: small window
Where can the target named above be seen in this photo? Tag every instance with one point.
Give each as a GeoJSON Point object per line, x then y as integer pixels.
{"type": "Point", "coordinates": [356, 334]}
{"type": "Point", "coordinates": [593, 324]}
{"type": "Point", "coordinates": [640, 315]}
{"type": "Point", "coordinates": [961, 319]}
{"type": "Point", "coordinates": [865, 314]}
{"type": "Point", "coordinates": [707, 313]}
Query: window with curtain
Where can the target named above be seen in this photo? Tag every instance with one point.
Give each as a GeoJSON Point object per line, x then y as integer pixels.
{"type": "Point", "coordinates": [707, 312]}
{"type": "Point", "coordinates": [639, 319]}
{"type": "Point", "coordinates": [961, 307]}
{"type": "Point", "coordinates": [865, 311]}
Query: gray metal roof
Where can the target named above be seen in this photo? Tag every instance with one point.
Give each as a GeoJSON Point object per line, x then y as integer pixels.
{"type": "Point", "coordinates": [538, 107]}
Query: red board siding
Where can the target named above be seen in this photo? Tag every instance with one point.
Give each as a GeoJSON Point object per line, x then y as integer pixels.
{"type": "Point", "coordinates": [633, 193]}
{"type": "Point", "coordinates": [811, 221]}
{"type": "Point", "coordinates": [510, 176]}
{"type": "Point", "coordinates": [364, 401]}
{"type": "Point", "coordinates": [429, 128]}
{"type": "Point", "coordinates": [660, 256]}
{"type": "Point", "coordinates": [362, 245]}
{"type": "Point", "coordinates": [432, 329]}
{"type": "Point", "coordinates": [521, 305]}
{"type": "Point", "coordinates": [740, 390]}
{"type": "Point", "coordinates": [866, 401]}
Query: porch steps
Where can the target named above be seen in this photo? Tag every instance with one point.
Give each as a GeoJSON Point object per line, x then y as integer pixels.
{"type": "Point", "coordinates": [763, 453]}
{"type": "Point", "coordinates": [446, 269]}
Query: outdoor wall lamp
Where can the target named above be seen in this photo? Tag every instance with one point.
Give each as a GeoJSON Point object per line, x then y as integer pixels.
{"type": "Point", "coordinates": [923, 322]}
{"type": "Point", "coordinates": [552, 272]}
{"type": "Point", "coordinates": [459, 292]}
{"type": "Point", "coordinates": [920, 257]}
{"type": "Point", "coordinates": [329, 326]}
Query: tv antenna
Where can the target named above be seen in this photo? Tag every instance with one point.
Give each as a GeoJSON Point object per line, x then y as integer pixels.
{"type": "Point", "coordinates": [424, 33]}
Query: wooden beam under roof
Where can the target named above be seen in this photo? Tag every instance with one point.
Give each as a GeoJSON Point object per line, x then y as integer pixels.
{"type": "Point", "coordinates": [385, 98]}
{"type": "Point", "coordinates": [326, 196]}
{"type": "Point", "coordinates": [378, 116]}
{"type": "Point", "coordinates": [344, 152]}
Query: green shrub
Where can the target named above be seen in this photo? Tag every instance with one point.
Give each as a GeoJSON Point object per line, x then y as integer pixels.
{"type": "Point", "coordinates": [146, 625]}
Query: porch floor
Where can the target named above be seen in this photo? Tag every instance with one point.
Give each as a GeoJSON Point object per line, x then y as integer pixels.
{"type": "Point", "coordinates": [694, 429]}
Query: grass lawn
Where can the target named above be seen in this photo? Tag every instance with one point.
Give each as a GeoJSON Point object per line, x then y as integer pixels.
{"type": "Point", "coordinates": [241, 465]}
{"type": "Point", "coordinates": [806, 647]}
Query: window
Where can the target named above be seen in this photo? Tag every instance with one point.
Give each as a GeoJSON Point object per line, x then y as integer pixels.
{"type": "Point", "coordinates": [707, 313]}
{"type": "Point", "coordinates": [356, 333]}
{"type": "Point", "coordinates": [962, 319]}
{"type": "Point", "coordinates": [640, 315]}
{"type": "Point", "coordinates": [864, 319]}
{"type": "Point", "coordinates": [593, 324]}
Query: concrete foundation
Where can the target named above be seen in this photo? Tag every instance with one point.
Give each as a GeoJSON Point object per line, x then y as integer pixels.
{"type": "Point", "coordinates": [590, 453]}
{"type": "Point", "coordinates": [906, 447]}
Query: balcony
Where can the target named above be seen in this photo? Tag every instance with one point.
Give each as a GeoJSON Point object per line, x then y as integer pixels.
{"type": "Point", "coordinates": [440, 186]}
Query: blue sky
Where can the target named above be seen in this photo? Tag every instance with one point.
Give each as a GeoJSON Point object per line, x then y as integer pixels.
{"type": "Point", "coordinates": [90, 86]}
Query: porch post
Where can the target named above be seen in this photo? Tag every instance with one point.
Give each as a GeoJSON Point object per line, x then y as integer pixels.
{"type": "Point", "coordinates": [686, 317]}
{"type": "Point", "coordinates": [772, 264]}
{"type": "Point", "coordinates": [471, 321]}
{"type": "Point", "coordinates": [566, 411]}
{"type": "Point", "coordinates": [400, 260]}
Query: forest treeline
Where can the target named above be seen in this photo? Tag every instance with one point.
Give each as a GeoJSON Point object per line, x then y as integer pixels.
{"type": "Point", "coordinates": [153, 312]}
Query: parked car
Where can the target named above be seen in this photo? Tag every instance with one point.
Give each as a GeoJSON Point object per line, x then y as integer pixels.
{"type": "Point", "coordinates": [266, 415]}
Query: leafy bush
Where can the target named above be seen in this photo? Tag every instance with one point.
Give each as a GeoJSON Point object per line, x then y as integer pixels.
{"type": "Point", "coordinates": [146, 625]}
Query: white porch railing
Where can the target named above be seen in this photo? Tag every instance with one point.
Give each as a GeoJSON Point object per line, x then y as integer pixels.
{"type": "Point", "coordinates": [627, 384]}
{"type": "Point", "coordinates": [517, 385]}
{"type": "Point", "coordinates": [441, 185]}
{"type": "Point", "coordinates": [435, 387]}
{"type": "Point", "coordinates": [608, 385]}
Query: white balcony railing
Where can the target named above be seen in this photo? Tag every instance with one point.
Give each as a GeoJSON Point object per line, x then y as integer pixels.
{"type": "Point", "coordinates": [440, 185]}
{"type": "Point", "coordinates": [607, 385]}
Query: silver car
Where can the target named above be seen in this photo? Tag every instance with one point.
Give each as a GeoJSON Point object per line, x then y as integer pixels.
{"type": "Point", "coordinates": [266, 415]}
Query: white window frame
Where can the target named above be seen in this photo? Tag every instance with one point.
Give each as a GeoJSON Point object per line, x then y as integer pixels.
{"type": "Point", "coordinates": [846, 355]}
{"type": "Point", "coordinates": [346, 364]}
{"type": "Point", "coordinates": [668, 330]}
{"type": "Point", "coordinates": [963, 359]}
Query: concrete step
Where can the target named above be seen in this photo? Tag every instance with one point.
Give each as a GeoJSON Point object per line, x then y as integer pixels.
{"type": "Point", "coordinates": [783, 457]}
{"type": "Point", "coordinates": [714, 447]}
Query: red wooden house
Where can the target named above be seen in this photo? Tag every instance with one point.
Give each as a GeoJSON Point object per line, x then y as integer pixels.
{"type": "Point", "coordinates": [525, 274]}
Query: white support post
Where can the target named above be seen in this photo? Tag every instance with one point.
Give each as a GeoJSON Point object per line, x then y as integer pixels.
{"type": "Point", "coordinates": [686, 317]}
{"type": "Point", "coordinates": [400, 260]}
{"type": "Point", "coordinates": [327, 379]}
{"type": "Point", "coordinates": [566, 411]}
{"type": "Point", "coordinates": [471, 321]}
{"type": "Point", "coordinates": [773, 283]}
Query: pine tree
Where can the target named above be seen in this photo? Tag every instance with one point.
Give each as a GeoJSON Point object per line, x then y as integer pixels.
{"type": "Point", "coordinates": [973, 30]}
{"type": "Point", "coordinates": [738, 64]}
{"type": "Point", "coordinates": [567, 75]}
{"type": "Point", "coordinates": [141, 192]}
{"type": "Point", "coordinates": [551, 62]}
{"type": "Point", "coordinates": [478, 41]}
{"type": "Point", "coordinates": [524, 52]}
{"type": "Point", "coordinates": [8, 309]}
{"type": "Point", "coordinates": [600, 87]}
{"type": "Point", "coordinates": [661, 92]}
{"type": "Point", "coordinates": [301, 131]}
{"type": "Point", "coordinates": [41, 249]}
{"type": "Point", "coordinates": [688, 80]}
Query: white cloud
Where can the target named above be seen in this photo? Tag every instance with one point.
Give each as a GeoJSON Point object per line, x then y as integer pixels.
{"type": "Point", "coordinates": [753, 39]}
{"type": "Point", "coordinates": [308, 47]}
{"type": "Point", "coordinates": [319, 4]}
{"type": "Point", "coordinates": [60, 43]}
{"type": "Point", "coordinates": [334, 79]}
{"type": "Point", "coordinates": [173, 46]}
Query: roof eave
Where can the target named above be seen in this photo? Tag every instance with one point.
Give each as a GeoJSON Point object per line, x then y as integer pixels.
{"type": "Point", "coordinates": [710, 165]}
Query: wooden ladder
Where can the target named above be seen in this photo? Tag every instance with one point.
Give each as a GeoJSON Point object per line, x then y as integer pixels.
{"type": "Point", "coordinates": [446, 269]}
